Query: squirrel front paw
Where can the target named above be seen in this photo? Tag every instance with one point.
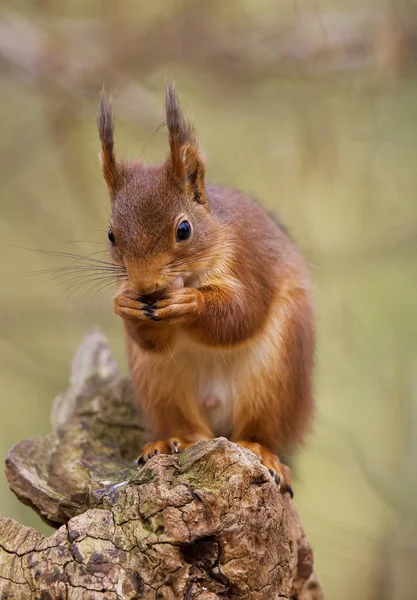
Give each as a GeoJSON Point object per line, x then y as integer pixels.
{"type": "Point", "coordinates": [128, 306]}
{"type": "Point", "coordinates": [177, 306]}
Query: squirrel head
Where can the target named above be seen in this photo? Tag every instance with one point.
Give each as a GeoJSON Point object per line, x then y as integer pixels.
{"type": "Point", "coordinates": [161, 228]}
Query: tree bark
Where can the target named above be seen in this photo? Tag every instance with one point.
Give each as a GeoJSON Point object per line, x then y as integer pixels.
{"type": "Point", "coordinates": [208, 523]}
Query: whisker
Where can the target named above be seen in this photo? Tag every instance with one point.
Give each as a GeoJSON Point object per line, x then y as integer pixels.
{"type": "Point", "coordinates": [100, 289]}
{"type": "Point", "coordinates": [91, 268]}
{"type": "Point", "coordinates": [83, 279]}
{"type": "Point", "coordinates": [77, 277]}
{"type": "Point", "coordinates": [82, 271]}
{"type": "Point", "coordinates": [68, 255]}
{"type": "Point", "coordinates": [91, 288]}
{"type": "Point", "coordinates": [67, 272]}
{"type": "Point", "coordinates": [91, 282]}
{"type": "Point", "coordinates": [88, 242]}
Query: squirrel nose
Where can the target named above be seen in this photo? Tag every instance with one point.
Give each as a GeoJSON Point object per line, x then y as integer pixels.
{"type": "Point", "coordinates": [143, 278]}
{"type": "Point", "coordinates": [145, 290]}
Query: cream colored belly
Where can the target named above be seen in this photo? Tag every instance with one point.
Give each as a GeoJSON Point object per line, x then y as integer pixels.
{"type": "Point", "coordinates": [212, 376]}
{"type": "Point", "coordinates": [217, 400]}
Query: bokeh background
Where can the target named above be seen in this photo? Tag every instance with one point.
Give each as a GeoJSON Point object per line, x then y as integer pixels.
{"type": "Point", "coordinates": [311, 106]}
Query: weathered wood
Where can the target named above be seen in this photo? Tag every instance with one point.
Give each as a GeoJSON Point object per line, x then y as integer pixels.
{"type": "Point", "coordinates": [207, 523]}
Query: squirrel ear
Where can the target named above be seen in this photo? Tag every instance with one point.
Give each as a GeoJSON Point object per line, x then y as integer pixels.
{"type": "Point", "coordinates": [186, 164]}
{"type": "Point", "coordinates": [194, 171]}
{"type": "Point", "coordinates": [112, 170]}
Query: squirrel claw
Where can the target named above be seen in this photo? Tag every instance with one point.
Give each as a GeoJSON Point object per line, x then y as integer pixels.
{"type": "Point", "coordinates": [288, 488]}
{"type": "Point", "coordinates": [276, 478]}
{"type": "Point", "coordinates": [279, 472]}
{"type": "Point", "coordinates": [175, 448]}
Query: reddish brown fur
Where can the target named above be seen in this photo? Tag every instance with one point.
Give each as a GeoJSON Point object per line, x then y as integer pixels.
{"type": "Point", "coordinates": [228, 349]}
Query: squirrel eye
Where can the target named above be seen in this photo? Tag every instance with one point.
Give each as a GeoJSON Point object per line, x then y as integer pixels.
{"type": "Point", "coordinates": [111, 237]}
{"type": "Point", "coordinates": [183, 231]}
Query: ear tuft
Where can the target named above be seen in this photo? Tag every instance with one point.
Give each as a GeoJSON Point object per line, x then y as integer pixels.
{"type": "Point", "coordinates": [186, 163]}
{"type": "Point", "coordinates": [105, 125]}
{"type": "Point", "coordinates": [181, 130]}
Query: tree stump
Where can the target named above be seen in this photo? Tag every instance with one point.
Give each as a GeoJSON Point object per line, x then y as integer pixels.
{"type": "Point", "coordinates": [207, 523]}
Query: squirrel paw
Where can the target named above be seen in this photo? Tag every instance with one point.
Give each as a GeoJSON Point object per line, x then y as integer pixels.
{"type": "Point", "coordinates": [279, 472]}
{"type": "Point", "coordinates": [128, 306]}
{"type": "Point", "coordinates": [171, 446]}
{"type": "Point", "coordinates": [178, 305]}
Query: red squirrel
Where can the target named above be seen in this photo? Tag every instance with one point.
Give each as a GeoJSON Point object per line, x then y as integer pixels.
{"type": "Point", "coordinates": [215, 300]}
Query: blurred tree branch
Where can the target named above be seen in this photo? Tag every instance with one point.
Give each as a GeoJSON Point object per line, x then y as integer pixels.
{"type": "Point", "coordinates": [76, 55]}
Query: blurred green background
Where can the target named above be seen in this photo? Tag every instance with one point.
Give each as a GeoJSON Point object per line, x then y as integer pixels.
{"type": "Point", "coordinates": [312, 108]}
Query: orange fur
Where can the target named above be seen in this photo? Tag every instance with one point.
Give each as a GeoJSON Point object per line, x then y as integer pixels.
{"type": "Point", "coordinates": [220, 327]}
